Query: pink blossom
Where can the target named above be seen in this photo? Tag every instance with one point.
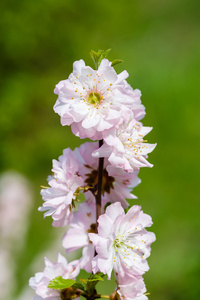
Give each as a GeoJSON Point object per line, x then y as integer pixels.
{"type": "Point", "coordinates": [122, 242]}
{"type": "Point", "coordinates": [83, 222]}
{"type": "Point", "coordinates": [42, 279]}
{"type": "Point", "coordinates": [125, 147]}
{"type": "Point", "coordinates": [135, 105]}
{"type": "Point", "coordinates": [64, 183]}
{"type": "Point", "coordinates": [132, 288]}
{"type": "Point", "coordinates": [94, 101]}
{"type": "Point", "coordinates": [117, 184]}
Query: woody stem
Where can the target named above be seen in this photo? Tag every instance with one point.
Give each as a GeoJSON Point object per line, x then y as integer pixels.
{"type": "Point", "coordinates": [99, 184]}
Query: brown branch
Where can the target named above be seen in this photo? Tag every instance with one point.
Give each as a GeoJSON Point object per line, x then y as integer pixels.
{"type": "Point", "coordinates": [99, 184]}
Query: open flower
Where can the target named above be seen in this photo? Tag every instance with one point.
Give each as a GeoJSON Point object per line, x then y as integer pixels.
{"type": "Point", "coordinates": [132, 288]}
{"type": "Point", "coordinates": [83, 222]}
{"type": "Point", "coordinates": [116, 184]}
{"type": "Point", "coordinates": [63, 185]}
{"type": "Point", "coordinates": [94, 101]}
{"type": "Point", "coordinates": [135, 105]}
{"type": "Point", "coordinates": [42, 279]}
{"type": "Point", "coordinates": [125, 147]}
{"type": "Point", "coordinates": [122, 242]}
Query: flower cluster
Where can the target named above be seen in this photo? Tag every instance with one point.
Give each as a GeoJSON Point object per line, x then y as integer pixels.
{"type": "Point", "coordinates": [99, 105]}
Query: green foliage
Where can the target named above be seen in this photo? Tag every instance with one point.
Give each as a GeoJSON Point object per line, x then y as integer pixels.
{"type": "Point", "coordinates": [59, 283]}
{"type": "Point", "coordinates": [98, 56]}
{"type": "Point", "coordinates": [101, 54]}
{"type": "Point", "coordinates": [96, 277]}
{"type": "Point", "coordinates": [116, 62]}
{"type": "Point", "coordinates": [92, 282]}
{"type": "Point", "coordinates": [87, 287]}
{"type": "Point", "coordinates": [79, 286]}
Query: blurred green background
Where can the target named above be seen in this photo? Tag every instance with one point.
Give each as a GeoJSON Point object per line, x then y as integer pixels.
{"type": "Point", "coordinates": [160, 46]}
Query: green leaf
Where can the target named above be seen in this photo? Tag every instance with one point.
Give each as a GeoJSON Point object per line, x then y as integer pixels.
{"type": "Point", "coordinates": [92, 282]}
{"type": "Point", "coordinates": [59, 283]}
{"type": "Point", "coordinates": [83, 280]}
{"type": "Point", "coordinates": [78, 286]}
{"type": "Point", "coordinates": [95, 277]}
{"type": "Point", "coordinates": [116, 62]}
{"type": "Point", "coordinates": [104, 54]}
{"type": "Point", "coordinates": [98, 56]}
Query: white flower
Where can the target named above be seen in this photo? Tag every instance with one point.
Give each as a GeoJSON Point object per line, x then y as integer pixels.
{"type": "Point", "coordinates": [135, 105]}
{"type": "Point", "coordinates": [122, 242]}
{"type": "Point", "coordinates": [83, 222]}
{"type": "Point", "coordinates": [94, 101]}
{"type": "Point", "coordinates": [125, 147]}
{"type": "Point", "coordinates": [58, 198]}
{"type": "Point", "coordinates": [117, 184]}
{"type": "Point", "coordinates": [42, 279]}
{"type": "Point", "coordinates": [131, 288]}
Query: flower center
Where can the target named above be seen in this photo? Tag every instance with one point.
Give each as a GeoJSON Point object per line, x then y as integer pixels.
{"type": "Point", "coordinates": [107, 181]}
{"type": "Point", "coordinates": [118, 242]}
{"type": "Point", "coordinates": [93, 228]}
{"type": "Point", "coordinates": [94, 98]}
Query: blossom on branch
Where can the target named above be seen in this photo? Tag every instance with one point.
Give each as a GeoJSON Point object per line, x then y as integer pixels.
{"type": "Point", "coordinates": [42, 279]}
{"type": "Point", "coordinates": [99, 105]}
{"type": "Point", "coordinates": [94, 101]}
{"type": "Point", "coordinates": [125, 147]}
{"type": "Point", "coordinates": [122, 242]}
{"type": "Point", "coordinates": [135, 105]}
{"type": "Point", "coordinates": [61, 193]}
{"type": "Point", "coordinates": [83, 222]}
{"type": "Point", "coordinates": [132, 288]}
{"type": "Point", "coordinates": [117, 184]}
